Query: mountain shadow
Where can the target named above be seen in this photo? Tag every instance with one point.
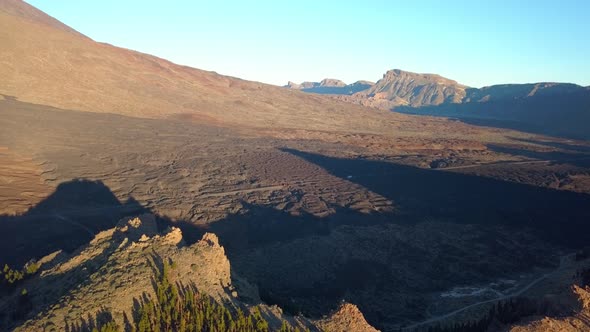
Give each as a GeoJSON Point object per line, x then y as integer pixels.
{"type": "Point", "coordinates": [557, 216]}
{"type": "Point", "coordinates": [68, 218]}
{"type": "Point", "coordinates": [379, 261]}
{"type": "Point", "coordinates": [447, 229]}
{"type": "Point", "coordinates": [263, 226]}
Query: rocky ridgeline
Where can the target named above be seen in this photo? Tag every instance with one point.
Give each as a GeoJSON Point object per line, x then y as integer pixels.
{"type": "Point", "coordinates": [117, 270]}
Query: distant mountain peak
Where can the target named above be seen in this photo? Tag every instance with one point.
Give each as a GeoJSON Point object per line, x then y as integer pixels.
{"type": "Point", "coordinates": [399, 87]}
{"type": "Point", "coordinates": [363, 82]}
{"type": "Point", "coordinates": [332, 82]}
{"type": "Point", "coordinates": [434, 78]}
{"type": "Point", "coordinates": [330, 86]}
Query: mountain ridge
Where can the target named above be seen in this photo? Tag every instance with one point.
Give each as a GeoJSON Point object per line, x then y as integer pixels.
{"type": "Point", "coordinates": [551, 108]}
{"type": "Point", "coordinates": [330, 86]}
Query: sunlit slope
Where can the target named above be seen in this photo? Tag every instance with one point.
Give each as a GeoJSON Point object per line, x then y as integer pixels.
{"type": "Point", "coordinates": [47, 63]}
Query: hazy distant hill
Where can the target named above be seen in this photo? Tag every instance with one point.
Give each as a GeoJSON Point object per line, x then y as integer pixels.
{"type": "Point", "coordinates": [559, 109]}
{"type": "Point", "coordinates": [331, 86]}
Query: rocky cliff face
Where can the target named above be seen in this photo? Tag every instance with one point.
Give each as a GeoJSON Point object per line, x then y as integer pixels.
{"type": "Point", "coordinates": [398, 87]}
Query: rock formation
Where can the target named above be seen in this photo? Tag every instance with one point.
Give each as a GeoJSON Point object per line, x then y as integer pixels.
{"type": "Point", "coordinates": [347, 318]}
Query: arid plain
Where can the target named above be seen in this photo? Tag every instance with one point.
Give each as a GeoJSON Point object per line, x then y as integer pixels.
{"type": "Point", "coordinates": [305, 215]}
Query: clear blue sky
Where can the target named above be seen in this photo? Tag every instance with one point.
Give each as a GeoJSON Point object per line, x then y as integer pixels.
{"type": "Point", "coordinates": [474, 42]}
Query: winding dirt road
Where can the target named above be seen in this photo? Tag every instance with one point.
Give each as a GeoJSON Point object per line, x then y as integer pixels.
{"type": "Point", "coordinates": [501, 298]}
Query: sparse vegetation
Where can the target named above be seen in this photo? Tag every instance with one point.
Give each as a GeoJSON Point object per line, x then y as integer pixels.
{"type": "Point", "coordinates": [108, 327]}
{"type": "Point", "coordinates": [185, 309]}
{"type": "Point", "coordinates": [10, 277]}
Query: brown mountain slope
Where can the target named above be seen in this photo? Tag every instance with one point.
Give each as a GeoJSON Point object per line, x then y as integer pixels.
{"type": "Point", "coordinates": [47, 64]}
{"type": "Point", "coordinates": [21, 9]}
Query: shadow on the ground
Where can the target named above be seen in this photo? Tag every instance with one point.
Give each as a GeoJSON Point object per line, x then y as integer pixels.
{"type": "Point", "coordinates": [68, 218]}
{"type": "Point", "coordinates": [79, 209]}
{"type": "Point", "coordinates": [560, 217]}
{"type": "Point", "coordinates": [97, 322]}
{"type": "Point", "coordinates": [262, 226]}
{"type": "Point", "coordinates": [254, 241]}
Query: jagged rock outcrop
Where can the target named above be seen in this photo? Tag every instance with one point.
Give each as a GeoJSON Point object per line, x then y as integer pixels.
{"type": "Point", "coordinates": [137, 229]}
{"type": "Point", "coordinates": [117, 268]}
{"type": "Point", "coordinates": [347, 318]}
